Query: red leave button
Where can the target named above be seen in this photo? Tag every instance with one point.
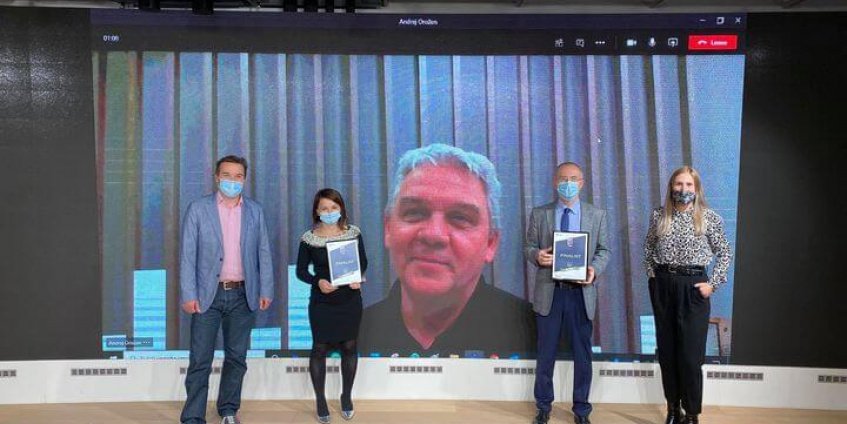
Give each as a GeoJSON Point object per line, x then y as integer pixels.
{"type": "Point", "coordinates": [712, 42]}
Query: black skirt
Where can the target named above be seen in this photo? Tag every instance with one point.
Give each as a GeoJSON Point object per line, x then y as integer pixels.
{"type": "Point", "coordinates": [335, 322]}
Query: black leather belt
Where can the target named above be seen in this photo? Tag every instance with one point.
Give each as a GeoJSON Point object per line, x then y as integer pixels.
{"type": "Point", "coordinates": [687, 270]}
{"type": "Point", "coordinates": [229, 285]}
{"type": "Point", "coordinates": [567, 285]}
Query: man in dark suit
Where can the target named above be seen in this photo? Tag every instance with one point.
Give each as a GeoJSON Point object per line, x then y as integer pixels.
{"type": "Point", "coordinates": [225, 275]}
{"type": "Point", "coordinates": [565, 305]}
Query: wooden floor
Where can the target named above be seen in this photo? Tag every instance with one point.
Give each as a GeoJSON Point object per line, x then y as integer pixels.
{"type": "Point", "coordinates": [396, 412]}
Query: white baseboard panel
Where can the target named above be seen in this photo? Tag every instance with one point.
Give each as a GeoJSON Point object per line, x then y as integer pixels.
{"type": "Point", "coordinates": [407, 378]}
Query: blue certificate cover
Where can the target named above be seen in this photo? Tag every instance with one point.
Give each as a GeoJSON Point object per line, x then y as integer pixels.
{"type": "Point", "coordinates": [344, 267]}
{"type": "Point", "coordinates": [570, 256]}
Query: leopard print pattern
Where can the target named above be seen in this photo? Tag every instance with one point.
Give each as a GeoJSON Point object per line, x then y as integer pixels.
{"type": "Point", "coordinates": [682, 247]}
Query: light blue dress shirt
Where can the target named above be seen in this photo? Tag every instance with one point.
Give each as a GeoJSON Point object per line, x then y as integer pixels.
{"type": "Point", "coordinates": [573, 218]}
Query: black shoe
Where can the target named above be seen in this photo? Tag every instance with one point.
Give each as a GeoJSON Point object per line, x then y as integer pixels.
{"type": "Point", "coordinates": [691, 419]}
{"type": "Point", "coordinates": [675, 416]}
{"type": "Point", "coordinates": [581, 420]}
{"type": "Point", "coordinates": [541, 417]}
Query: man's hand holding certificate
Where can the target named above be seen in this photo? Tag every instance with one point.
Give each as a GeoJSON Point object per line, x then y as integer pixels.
{"type": "Point", "coordinates": [344, 266]}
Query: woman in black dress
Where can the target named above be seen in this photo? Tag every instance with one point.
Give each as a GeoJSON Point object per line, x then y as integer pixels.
{"type": "Point", "coordinates": [334, 312]}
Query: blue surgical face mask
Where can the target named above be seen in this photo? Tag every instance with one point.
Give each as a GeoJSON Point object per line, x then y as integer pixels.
{"type": "Point", "coordinates": [568, 190]}
{"type": "Point", "coordinates": [683, 197]}
{"type": "Point", "coordinates": [330, 218]}
{"type": "Point", "coordinates": [230, 189]}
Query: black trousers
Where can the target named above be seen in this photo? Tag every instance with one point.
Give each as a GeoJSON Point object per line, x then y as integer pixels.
{"type": "Point", "coordinates": [682, 323]}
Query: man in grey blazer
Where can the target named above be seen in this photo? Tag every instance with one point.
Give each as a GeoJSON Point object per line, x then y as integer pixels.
{"type": "Point", "coordinates": [226, 274]}
{"type": "Point", "coordinates": [565, 305]}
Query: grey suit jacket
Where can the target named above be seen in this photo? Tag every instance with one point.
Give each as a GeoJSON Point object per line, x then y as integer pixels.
{"type": "Point", "coordinates": [201, 253]}
{"type": "Point", "coordinates": [539, 235]}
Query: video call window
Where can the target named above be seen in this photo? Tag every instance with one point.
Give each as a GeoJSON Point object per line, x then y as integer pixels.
{"type": "Point", "coordinates": [441, 127]}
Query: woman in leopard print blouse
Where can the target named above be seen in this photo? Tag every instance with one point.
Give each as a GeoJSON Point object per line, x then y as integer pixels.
{"type": "Point", "coordinates": [683, 237]}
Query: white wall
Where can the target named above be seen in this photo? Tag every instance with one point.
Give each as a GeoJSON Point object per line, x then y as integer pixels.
{"type": "Point", "coordinates": [470, 379]}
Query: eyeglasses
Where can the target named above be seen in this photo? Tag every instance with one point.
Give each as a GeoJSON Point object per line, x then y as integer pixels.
{"type": "Point", "coordinates": [570, 179]}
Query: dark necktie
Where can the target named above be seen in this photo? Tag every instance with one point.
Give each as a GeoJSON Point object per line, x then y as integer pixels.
{"type": "Point", "coordinates": [566, 220]}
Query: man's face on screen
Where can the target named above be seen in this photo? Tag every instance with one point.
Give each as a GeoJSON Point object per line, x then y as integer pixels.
{"type": "Point", "coordinates": [438, 232]}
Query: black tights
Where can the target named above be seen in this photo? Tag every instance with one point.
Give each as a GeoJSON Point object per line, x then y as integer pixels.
{"type": "Point", "coordinates": [317, 369]}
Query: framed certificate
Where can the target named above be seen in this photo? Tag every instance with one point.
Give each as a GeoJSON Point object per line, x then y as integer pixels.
{"type": "Point", "coordinates": [570, 255]}
{"type": "Point", "coordinates": [344, 267]}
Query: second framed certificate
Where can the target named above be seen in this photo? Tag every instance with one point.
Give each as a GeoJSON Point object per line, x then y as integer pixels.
{"type": "Point", "coordinates": [570, 255]}
{"type": "Point", "coordinates": [344, 266]}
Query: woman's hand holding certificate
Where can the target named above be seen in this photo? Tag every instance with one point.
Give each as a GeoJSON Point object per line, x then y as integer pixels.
{"type": "Point", "coordinates": [326, 287]}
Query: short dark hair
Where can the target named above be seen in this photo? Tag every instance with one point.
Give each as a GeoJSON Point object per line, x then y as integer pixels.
{"type": "Point", "coordinates": [335, 196]}
{"type": "Point", "coordinates": [231, 159]}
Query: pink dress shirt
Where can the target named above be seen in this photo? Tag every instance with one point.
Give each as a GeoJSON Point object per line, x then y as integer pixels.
{"type": "Point", "coordinates": [232, 269]}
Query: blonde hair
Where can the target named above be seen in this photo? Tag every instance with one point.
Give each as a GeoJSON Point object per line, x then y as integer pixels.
{"type": "Point", "coordinates": [666, 221]}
